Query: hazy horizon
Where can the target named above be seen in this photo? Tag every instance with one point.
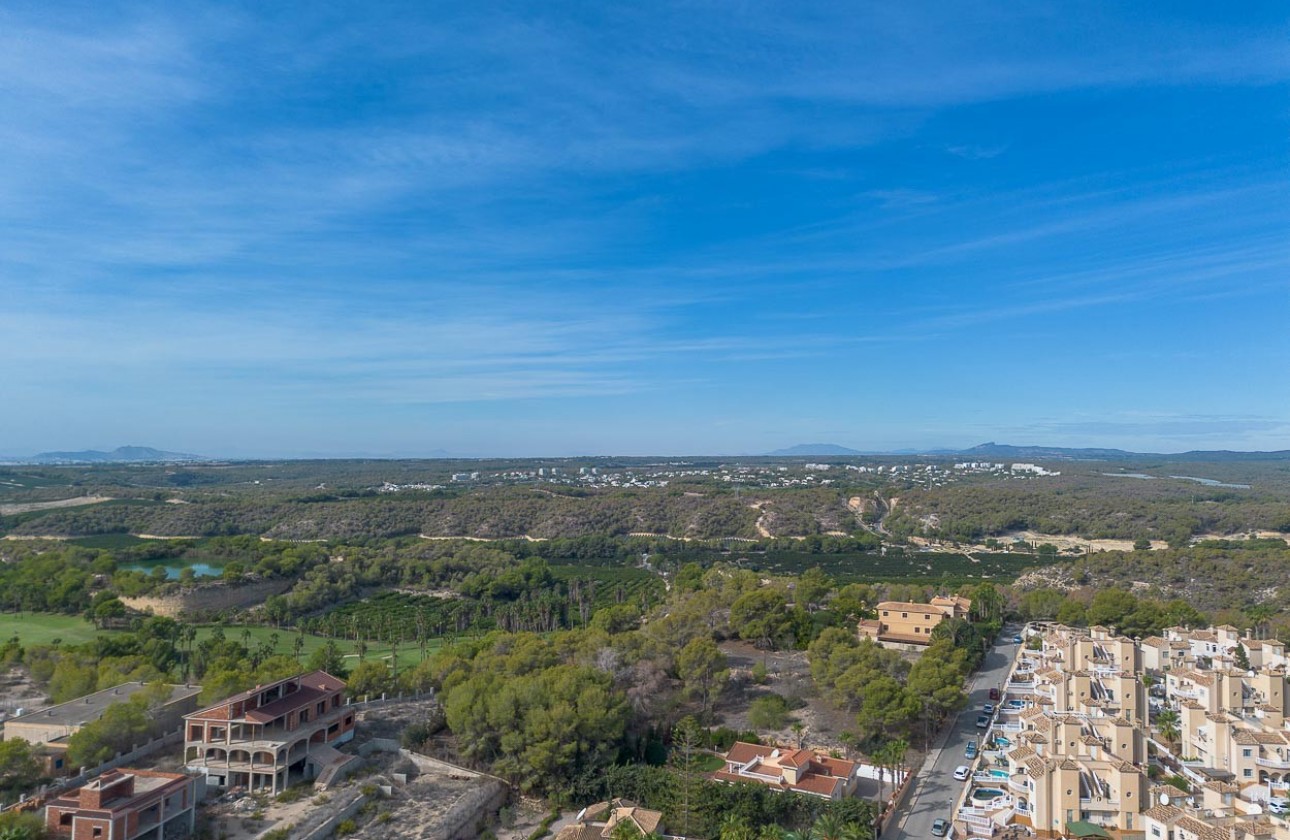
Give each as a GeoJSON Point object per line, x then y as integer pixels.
{"type": "Point", "coordinates": [541, 229]}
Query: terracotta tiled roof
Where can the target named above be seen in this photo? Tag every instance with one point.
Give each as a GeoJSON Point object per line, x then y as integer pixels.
{"type": "Point", "coordinates": [320, 680]}
{"type": "Point", "coordinates": [796, 758]}
{"type": "Point", "coordinates": [305, 697]}
{"type": "Point", "coordinates": [1164, 813]}
{"type": "Point", "coordinates": [815, 783]}
{"type": "Point", "coordinates": [907, 606]}
{"type": "Point", "coordinates": [579, 832]}
{"type": "Point", "coordinates": [645, 819]}
{"type": "Point", "coordinates": [1202, 829]}
{"type": "Point", "coordinates": [741, 752]}
{"type": "Point", "coordinates": [836, 766]}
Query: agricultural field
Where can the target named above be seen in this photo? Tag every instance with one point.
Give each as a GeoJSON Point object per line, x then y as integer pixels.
{"type": "Point", "coordinates": [893, 566]}
{"type": "Point", "coordinates": [397, 616]}
{"type": "Point", "coordinates": [610, 585]}
{"type": "Point", "coordinates": [285, 640]}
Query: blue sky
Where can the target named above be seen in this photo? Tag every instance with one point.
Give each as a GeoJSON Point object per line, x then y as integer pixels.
{"type": "Point", "coordinates": [577, 228]}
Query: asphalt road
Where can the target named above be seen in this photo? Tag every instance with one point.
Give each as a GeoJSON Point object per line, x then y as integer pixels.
{"type": "Point", "coordinates": [935, 790]}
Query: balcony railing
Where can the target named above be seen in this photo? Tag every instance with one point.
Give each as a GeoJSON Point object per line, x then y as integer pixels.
{"type": "Point", "coordinates": [1274, 763]}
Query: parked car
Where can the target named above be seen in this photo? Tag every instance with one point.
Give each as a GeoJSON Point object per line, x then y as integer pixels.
{"type": "Point", "coordinates": [970, 752]}
{"type": "Point", "coordinates": [1278, 806]}
{"type": "Point", "coordinates": [994, 694]}
{"type": "Point", "coordinates": [983, 722]}
{"type": "Point", "coordinates": [962, 772]}
{"type": "Point", "coordinates": [940, 827]}
{"type": "Point", "coordinates": [988, 708]}
{"type": "Point", "coordinates": [1016, 640]}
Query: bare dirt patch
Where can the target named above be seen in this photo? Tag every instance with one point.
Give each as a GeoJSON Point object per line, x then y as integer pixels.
{"type": "Point", "coordinates": [789, 675]}
{"type": "Point", "coordinates": [17, 691]}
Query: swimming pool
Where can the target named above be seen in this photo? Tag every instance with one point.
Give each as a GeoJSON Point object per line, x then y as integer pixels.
{"type": "Point", "coordinates": [986, 794]}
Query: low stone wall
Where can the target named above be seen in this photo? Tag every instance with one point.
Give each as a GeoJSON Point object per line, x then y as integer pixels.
{"type": "Point", "coordinates": [206, 599]}
{"type": "Point", "coordinates": [42, 795]}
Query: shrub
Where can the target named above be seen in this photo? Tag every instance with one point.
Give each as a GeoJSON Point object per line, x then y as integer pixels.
{"type": "Point", "coordinates": [346, 827]}
{"type": "Point", "coordinates": [769, 712]}
{"type": "Point", "coordinates": [722, 738]}
{"type": "Point", "coordinates": [544, 827]}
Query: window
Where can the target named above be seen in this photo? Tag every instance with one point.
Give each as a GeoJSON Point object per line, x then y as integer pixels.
{"type": "Point", "coordinates": [1246, 753]}
{"type": "Point", "coordinates": [65, 818]}
{"type": "Point", "coordinates": [885, 613]}
{"type": "Point", "coordinates": [98, 831]}
{"type": "Point", "coordinates": [1155, 831]}
{"type": "Point", "coordinates": [1247, 772]}
{"type": "Point", "coordinates": [904, 615]}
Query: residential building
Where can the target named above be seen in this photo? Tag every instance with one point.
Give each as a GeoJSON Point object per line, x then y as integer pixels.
{"type": "Point", "coordinates": [1072, 731]}
{"type": "Point", "coordinates": [597, 822]}
{"type": "Point", "coordinates": [1265, 653]}
{"type": "Point", "coordinates": [1216, 814]}
{"type": "Point", "coordinates": [50, 728]}
{"type": "Point", "coordinates": [271, 736]}
{"type": "Point", "coordinates": [126, 805]}
{"type": "Point", "coordinates": [902, 622]}
{"type": "Point", "coordinates": [785, 768]}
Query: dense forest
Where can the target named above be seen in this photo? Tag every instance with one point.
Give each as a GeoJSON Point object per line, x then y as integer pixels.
{"type": "Point", "coordinates": [490, 513]}
{"type": "Point", "coordinates": [1248, 575]}
{"type": "Point", "coordinates": [1090, 506]}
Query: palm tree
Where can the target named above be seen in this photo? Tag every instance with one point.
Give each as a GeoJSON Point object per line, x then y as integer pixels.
{"type": "Point", "coordinates": [625, 830]}
{"type": "Point", "coordinates": [857, 831]}
{"type": "Point", "coordinates": [1167, 726]}
{"type": "Point", "coordinates": [828, 827]}
{"type": "Point", "coordinates": [735, 828]}
{"type": "Point", "coordinates": [799, 729]}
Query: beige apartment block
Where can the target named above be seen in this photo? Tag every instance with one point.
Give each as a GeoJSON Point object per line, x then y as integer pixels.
{"type": "Point", "coordinates": [904, 622]}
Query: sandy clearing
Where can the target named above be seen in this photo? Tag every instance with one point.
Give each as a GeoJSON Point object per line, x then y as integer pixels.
{"type": "Point", "coordinates": [28, 507]}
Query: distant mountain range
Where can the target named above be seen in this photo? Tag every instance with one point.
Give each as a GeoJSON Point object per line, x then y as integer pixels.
{"type": "Point", "coordinates": [809, 449]}
{"type": "Point", "coordinates": [122, 454]}
{"type": "Point", "coordinates": [1039, 453]}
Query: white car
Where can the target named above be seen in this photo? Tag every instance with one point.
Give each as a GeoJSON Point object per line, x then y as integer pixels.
{"type": "Point", "coordinates": [962, 772]}
{"type": "Point", "coordinates": [1278, 806]}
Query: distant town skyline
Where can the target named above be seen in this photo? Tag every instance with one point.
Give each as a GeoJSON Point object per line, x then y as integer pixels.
{"type": "Point", "coordinates": [551, 229]}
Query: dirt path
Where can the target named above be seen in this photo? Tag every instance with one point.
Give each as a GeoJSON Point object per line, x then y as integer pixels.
{"type": "Point", "coordinates": [29, 507]}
